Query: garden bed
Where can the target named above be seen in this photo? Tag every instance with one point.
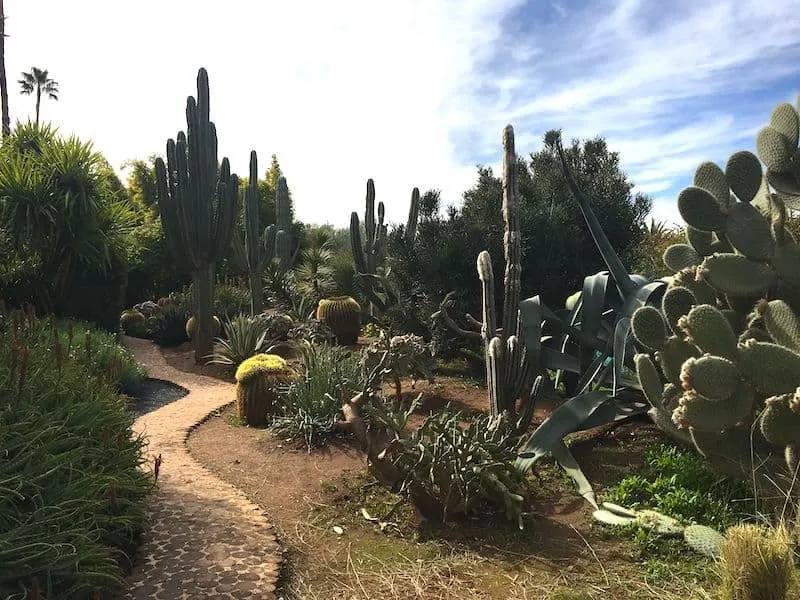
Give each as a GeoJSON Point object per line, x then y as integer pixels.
{"type": "Point", "coordinates": [316, 498]}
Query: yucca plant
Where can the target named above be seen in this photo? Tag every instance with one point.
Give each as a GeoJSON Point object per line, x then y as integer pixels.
{"type": "Point", "coordinates": [244, 338]}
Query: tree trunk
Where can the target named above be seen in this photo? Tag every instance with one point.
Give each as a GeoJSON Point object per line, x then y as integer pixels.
{"type": "Point", "coordinates": [3, 84]}
{"type": "Point", "coordinates": [256, 294]}
{"type": "Point", "coordinates": [38, 101]}
{"type": "Point", "coordinates": [203, 280]}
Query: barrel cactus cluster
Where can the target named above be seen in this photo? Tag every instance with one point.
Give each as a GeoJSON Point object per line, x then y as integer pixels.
{"type": "Point", "coordinates": [722, 352]}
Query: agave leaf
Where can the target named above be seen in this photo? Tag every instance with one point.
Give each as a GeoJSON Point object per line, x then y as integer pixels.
{"type": "Point", "coordinates": [622, 333]}
{"type": "Point", "coordinates": [618, 272]}
{"type": "Point", "coordinates": [567, 462]}
{"type": "Point", "coordinates": [566, 419]}
{"type": "Point", "coordinates": [594, 299]}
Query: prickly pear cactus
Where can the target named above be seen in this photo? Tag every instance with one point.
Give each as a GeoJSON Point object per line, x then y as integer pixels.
{"type": "Point", "coordinates": [722, 352]}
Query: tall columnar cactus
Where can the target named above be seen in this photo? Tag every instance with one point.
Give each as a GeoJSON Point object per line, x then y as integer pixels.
{"type": "Point", "coordinates": [724, 350]}
{"type": "Point", "coordinates": [283, 223]}
{"type": "Point", "coordinates": [197, 201]}
{"type": "Point", "coordinates": [508, 366]}
{"type": "Point", "coordinates": [258, 252]}
{"type": "Point", "coordinates": [368, 253]}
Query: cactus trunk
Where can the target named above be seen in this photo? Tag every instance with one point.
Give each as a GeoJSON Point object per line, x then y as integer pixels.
{"type": "Point", "coordinates": [255, 252]}
{"type": "Point", "coordinates": [203, 282]}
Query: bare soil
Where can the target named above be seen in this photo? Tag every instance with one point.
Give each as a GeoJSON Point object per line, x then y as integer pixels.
{"type": "Point", "coordinates": [334, 552]}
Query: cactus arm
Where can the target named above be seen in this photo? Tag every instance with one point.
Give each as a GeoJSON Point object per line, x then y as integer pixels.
{"type": "Point", "coordinates": [413, 216]}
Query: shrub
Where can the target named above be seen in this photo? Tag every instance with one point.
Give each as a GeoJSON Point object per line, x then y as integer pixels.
{"type": "Point", "coordinates": [64, 210]}
{"type": "Point", "coordinates": [329, 375]}
{"type": "Point", "coordinates": [449, 470]}
{"type": "Point", "coordinates": [75, 494]}
{"type": "Point", "coordinates": [680, 484]}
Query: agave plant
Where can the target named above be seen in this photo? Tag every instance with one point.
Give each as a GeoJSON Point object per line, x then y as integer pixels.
{"type": "Point", "coordinates": [587, 352]}
{"type": "Point", "coordinates": [244, 337]}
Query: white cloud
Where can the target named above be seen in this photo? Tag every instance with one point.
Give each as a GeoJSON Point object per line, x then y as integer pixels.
{"type": "Point", "coordinates": [350, 90]}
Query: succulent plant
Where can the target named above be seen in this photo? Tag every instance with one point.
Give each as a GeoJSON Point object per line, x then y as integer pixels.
{"type": "Point", "coordinates": [700, 538]}
{"type": "Point", "coordinates": [258, 384]}
{"type": "Point", "coordinates": [191, 326]}
{"type": "Point", "coordinates": [197, 200]}
{"type": "Point", "coordinates": [369, 251]}
{"type": "Point", "coordinates": [343, 315]}
{"type": "Point", "coordinates": [724, 349]}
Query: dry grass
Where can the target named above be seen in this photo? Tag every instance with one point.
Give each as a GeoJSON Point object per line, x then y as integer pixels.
{"type": "Point", "coordinates": [756, 563]}
{"type": "Point", "coordinates": [365, 564]}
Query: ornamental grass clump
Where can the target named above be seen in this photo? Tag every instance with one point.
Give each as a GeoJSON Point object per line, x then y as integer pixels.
{"type": "Point", "coordinates": [259, 383]}
{"type": "Point", "coordinates": [74, 497]}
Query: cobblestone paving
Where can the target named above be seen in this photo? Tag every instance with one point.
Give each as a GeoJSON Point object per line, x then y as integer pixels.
{"type": "Point", "coordinates": [205, 539]}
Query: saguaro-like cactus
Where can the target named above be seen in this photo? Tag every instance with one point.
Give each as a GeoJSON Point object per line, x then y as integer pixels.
{"type": "Point", "coordinates": [283, 222]}
{"type": "Point", "coordinates": [508, 366]}
{"type": "Point", "coordinates": [369, 254]}
{"type": "Point", "coordinates": [257, 252]}
{"type": "Point", "coordinates": [197, 202]}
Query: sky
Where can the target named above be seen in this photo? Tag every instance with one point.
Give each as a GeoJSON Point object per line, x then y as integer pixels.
{"type": "Point", "coordinates": [413, 93]}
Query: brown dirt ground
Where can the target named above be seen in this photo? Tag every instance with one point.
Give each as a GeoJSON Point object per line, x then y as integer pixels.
{"type": "Point", "coordinates": [559, 555]}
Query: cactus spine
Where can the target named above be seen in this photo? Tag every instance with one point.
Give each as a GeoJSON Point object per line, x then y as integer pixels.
{"type": "Point", "coordinates": [197, 201]}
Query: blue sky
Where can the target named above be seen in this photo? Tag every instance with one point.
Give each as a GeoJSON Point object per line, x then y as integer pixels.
{"type": "Point", "coordinates": [414, 93]}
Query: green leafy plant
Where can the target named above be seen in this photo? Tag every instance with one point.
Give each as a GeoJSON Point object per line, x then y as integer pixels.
{"type": "Point", "coordinates": [450, 470]}
{"type": "Point", "coordinates": [75, 493]}
{"type": "Point", "coordinates": [244, 337]}
{"type": "Point", "coordinates": [680, 484]}
{"type": "Point", "coordinates": [311, 411]}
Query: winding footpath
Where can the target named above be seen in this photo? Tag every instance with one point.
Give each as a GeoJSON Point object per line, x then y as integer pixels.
{"type": "Point", "coordinates": [205, 539]}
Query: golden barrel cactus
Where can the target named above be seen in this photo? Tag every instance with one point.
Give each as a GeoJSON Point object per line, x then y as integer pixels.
{"type": "Point", "coordinates": [258, 383]}
{"type": "Point", "coordinates": [191, 326]}
{"type": "Point", "coordinates": [343, 315]}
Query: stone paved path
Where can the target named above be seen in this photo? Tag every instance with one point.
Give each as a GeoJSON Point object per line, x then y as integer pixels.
{"type": "Point", "coordinates": [205, 538]}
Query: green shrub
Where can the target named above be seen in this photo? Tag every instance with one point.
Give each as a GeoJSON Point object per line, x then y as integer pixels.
{"type": "Point", "coordinates": [65, 211]}
{"type": "Point", "coordinates": [231, 300]}
{"type": "Point", "coordinates": [678, 483]}
{"type": "Point", "coordinates": [329, 375]}
{"type": "Point", "coordinates": [74, 494]}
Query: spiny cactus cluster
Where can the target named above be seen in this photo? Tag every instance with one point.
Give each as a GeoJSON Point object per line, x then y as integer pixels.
{"type": "Point", "coordinates": [724, 348]}
{"type": "Point", "coordinates": [777, 146]}
{"type": "Point", "coordinates": [369, 252]}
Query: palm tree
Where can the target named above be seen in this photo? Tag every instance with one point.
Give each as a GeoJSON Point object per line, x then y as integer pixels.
{"type": "Point", "coordinates": [38, 80]}
{"type": "Point", "coordinates": [3, 84]}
